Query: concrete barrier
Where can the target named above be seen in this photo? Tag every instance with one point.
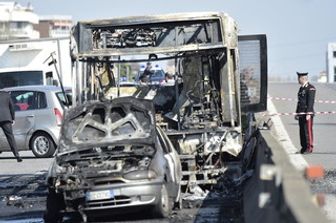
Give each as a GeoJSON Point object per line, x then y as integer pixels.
{"type": "Point", "coordinates": [278, 192]}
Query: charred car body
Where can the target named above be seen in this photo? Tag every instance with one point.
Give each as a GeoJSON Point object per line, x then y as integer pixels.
{"type": "Point", "coordinates": [112, 155]}
{"type": "Point", "coordinates": [219, 78]}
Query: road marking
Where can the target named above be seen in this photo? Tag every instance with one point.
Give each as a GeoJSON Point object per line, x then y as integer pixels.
{"type": "Point", "coordinates": [297, 159]}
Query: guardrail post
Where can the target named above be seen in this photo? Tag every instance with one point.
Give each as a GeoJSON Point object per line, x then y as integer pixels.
{"type": "Point", "coordinates": [269, 198]}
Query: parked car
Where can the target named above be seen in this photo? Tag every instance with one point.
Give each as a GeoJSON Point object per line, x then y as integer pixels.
{"type": "Point", "coordinates": [38, 118]}
{"type": "Point", "coordinates": [156, 76]}
{"type": "Point", "coordinates": [112, 158]}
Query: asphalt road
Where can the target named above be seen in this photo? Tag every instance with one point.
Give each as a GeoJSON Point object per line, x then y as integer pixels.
{"type": "Point", "coordinates": [30, 164]}
{"type": "Point", "coordinates": [22, 187]}
{"type": "Point", "coordinates": [23, 194]}
{"type": "Point", "coordinates": [324, 129]}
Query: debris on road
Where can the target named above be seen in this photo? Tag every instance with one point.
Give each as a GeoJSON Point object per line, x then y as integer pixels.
{"type": "Point", "coordinates": [22, 194]}
{"type": "Point", "coordinates": [14, 200]}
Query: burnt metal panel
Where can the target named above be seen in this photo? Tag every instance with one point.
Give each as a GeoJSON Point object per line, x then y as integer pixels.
{"type": "Point", "coordinates": [101, 38]}
{"type": "Point", "coordinates": [83, 37]}
{"type": "Point", "coordinates": [122, 119]}
{"type": "Point", "coordinates": [149, 50]}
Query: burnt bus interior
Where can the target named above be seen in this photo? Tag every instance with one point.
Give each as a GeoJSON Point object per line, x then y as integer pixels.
{"type": "Point", "coordinates": [200, 111]}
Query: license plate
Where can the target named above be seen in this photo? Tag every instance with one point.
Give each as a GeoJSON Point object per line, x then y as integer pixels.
{"type": "Point", "coordinates": [99, 195]}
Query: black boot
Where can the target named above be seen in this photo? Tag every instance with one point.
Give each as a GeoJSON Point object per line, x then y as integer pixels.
{"type": "Point", "coordinates": [18, 158]}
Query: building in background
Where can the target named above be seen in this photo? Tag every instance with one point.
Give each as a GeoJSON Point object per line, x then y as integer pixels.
{"type": "Point", "coordinates": [16, 21]}
{"type": "Point", "coordinates": [28, 44]}
{"type": "Point", "coordinates": [54, 26]}
{"type": "Point", "coordinates": [331, 62]}
{"type": "Point", "coordinates": [323, 77]}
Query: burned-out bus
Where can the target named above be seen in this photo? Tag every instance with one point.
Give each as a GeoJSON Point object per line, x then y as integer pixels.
{"type": "Point", "coordinates": [215, 78]}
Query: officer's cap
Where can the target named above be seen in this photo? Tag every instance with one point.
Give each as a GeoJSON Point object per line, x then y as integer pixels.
{"type": "Point", "coordinates": [301, 74]}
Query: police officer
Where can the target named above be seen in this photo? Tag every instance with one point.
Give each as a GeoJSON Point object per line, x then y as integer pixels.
{"type": "Point", "coordinates": [306, 98]}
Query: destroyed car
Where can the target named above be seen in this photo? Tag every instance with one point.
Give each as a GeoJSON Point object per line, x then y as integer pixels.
{"type": "Point", "coordinates": [112, 156]}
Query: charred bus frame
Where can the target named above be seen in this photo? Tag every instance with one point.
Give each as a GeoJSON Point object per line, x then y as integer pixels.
{"type": "Point", "coordinates": [205, 120]}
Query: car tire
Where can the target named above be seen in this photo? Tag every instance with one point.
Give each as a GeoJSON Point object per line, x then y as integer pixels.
{"type": "Point", "coordinates": [163, 207]}
{"type": "Point", "coordinates": [42, 145]}
{"type": "Point", "coordinates": [55, 203]}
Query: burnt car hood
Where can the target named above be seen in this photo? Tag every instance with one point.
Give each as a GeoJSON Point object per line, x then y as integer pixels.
{"type": "Point", "coordinates": [120, 120]}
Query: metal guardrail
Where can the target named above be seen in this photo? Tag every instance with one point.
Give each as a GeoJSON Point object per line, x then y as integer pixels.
{"type": "Point", "coordinates": [278, 192]}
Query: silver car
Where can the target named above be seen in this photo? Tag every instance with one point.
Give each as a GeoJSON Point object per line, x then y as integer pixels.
{"type": "Point", "coordinates": [38, 118]}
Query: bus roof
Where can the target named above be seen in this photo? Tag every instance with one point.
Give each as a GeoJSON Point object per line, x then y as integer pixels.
{"type": "Point", "coordinates": [172, 17]}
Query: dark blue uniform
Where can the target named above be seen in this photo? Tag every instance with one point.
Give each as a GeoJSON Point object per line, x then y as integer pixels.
{"type": "Point", "coordinates": [306, 99]}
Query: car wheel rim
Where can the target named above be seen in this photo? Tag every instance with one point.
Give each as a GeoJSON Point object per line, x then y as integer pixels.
{"type": "Point", "coordinates": [41, 145]}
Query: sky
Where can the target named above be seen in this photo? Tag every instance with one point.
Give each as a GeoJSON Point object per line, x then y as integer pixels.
{"type": "Point", "coordinates": [298, 31]}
